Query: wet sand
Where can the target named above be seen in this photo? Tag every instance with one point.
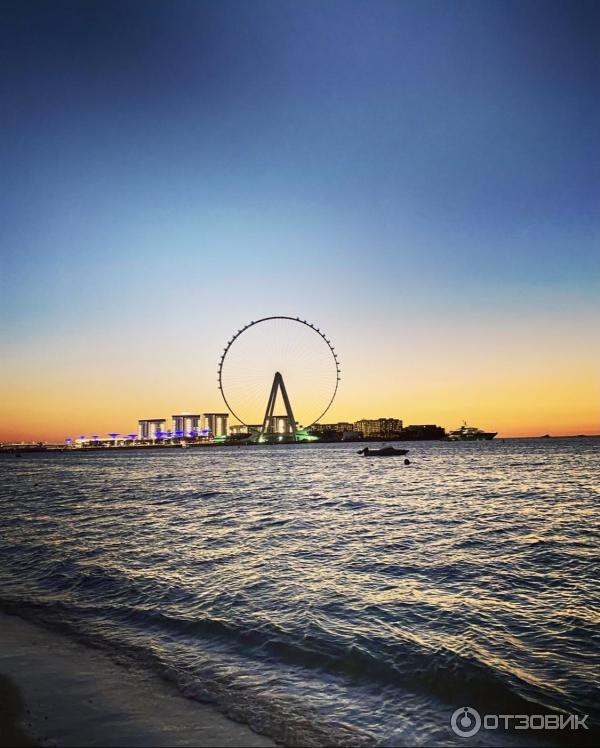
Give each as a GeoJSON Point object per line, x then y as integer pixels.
{"type": "Point", "coordinates": [12, 712]}
{"type": "Point", "coordinates": [57, 692]}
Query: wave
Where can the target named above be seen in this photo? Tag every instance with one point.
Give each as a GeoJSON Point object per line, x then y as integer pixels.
{"type": "Point", "coordinates": [317, 592]}
{"type": "Point", "coordinates": [448, 676]}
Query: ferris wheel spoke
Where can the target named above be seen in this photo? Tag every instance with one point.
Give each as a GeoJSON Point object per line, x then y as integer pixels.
{"type": "Point", "coordinates": [302, 354]}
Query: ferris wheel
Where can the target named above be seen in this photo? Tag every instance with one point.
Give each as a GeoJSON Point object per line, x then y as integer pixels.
{"type": "Point", "coordinates": [278, 376]}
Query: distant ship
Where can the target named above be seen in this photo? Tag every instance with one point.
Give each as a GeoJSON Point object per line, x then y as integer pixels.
{"type": "Point", "coordinates": [470, 434]}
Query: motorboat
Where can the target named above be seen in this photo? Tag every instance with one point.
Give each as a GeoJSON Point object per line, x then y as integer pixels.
{"type": "Point", "coordinates": [383, 452]}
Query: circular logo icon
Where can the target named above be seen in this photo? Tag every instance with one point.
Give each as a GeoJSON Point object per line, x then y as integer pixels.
{"type": "Point", "coordinates": [465, 722]}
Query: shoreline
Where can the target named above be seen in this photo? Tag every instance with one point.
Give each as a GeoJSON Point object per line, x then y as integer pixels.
{"type": "Point", "coordinates": [54, 449]}
{"type": "Point", "coordinates": [55, 691]}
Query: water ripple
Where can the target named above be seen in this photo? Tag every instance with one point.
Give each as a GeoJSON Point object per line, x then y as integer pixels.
{"type": "Point", "coordinates": [322, 597]}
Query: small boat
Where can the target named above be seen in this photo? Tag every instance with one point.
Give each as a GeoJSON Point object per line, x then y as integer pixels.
{"type": "Point", "coordinates": [383, 452]}
{"type": "Point", "coordinates": [185, 445]}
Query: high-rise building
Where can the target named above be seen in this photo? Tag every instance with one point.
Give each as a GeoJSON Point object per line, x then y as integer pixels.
{"type": "Point", "coordinates": [186, 424]}
{"type": "Point", "coordinates": [216, 423]}
{"type": "Point", "coordinates": [148, 428]}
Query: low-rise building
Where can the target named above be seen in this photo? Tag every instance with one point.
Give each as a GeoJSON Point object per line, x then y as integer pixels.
{"type": "Point", "coordinates": [319, 428]}
{"type": "Point", "coordinates": [241, 429]}
{"type": "Point", "coordinates": [378, 427]}
{"type": "Point", "coordinates": [423, 431]}
{"type": "Point", "coordinates": [279, 425]}
{"type": "Point", "coordinates": [390, 425]}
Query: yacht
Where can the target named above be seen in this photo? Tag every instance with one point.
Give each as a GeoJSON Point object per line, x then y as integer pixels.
{"type": "Point", "coordinates": [470, 434]}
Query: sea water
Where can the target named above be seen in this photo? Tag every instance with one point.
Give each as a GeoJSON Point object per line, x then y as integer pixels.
{"type": "Point", "coordinates": [321, 596]}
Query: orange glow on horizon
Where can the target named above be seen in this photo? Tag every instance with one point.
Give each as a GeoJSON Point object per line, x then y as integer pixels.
{"type": "Point", "coordinates": [498, 374]}
{"type": "Point", "coordinates": [62, 408]}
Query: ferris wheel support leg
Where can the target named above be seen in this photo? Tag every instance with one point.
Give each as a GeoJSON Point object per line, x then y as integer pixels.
{"type": "Point", "coordinates": [288, 407]}
{"type": "Point", "coordinates": [270, 407]}
{"type": "Point", "coordinates": [269, 412]}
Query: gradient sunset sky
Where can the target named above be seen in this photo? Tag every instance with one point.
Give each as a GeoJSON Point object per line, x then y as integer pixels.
{"type": "Point", "coordinates": [420, 179]}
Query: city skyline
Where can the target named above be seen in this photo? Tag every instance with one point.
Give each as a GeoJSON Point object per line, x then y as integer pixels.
{"type": "Point", "coordinates": [478, 407]}
{"type": "Point", "coordinates": [218, 424]}
{"type": "Point", "coordinates": [419, 178]}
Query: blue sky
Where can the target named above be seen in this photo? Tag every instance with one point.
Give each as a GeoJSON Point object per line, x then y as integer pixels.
{"type": "Point", "coordinates": [370, 158]}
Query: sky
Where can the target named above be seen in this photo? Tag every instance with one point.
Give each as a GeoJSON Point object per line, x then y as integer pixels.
{"type": "Point", "coordinates": [421, 179]}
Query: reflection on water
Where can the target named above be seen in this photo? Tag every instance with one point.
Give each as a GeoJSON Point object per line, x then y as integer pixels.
{"type": "Point", "coordinates": [318, 595]}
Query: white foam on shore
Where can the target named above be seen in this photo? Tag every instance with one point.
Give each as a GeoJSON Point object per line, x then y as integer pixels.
{"type": "Point", "coordinates": [78, 696]}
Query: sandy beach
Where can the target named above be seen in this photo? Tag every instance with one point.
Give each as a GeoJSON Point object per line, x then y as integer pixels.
{"type": "Point", "coordinates": [57, 692]}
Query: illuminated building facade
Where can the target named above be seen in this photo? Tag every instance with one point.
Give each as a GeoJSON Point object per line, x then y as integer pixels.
{"type": "Point", "coordinates": [240, 429]}
{"type": "Point", "coordinates": [378, 426]}
{"type": "Point", "coordinates": [216, 423]}
{"type": "Point", "coordinates": [279, 425]}
{"type": "Point", "coordinates": [390, 425]}
{"type": "Point", "coordinates": [320, 428]}
{"type": "Point", "coordinates": [149, 428]}
{"type": "Point", "coordinates": [186, 424]}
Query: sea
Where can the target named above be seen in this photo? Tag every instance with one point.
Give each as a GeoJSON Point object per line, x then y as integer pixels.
{"type": "Point", "coordinates": [322, 597]}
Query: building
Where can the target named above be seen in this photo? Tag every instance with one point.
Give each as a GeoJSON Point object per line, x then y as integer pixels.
{"type": "Point", "coordinates": [238, 429]}
{"type": "Point", "coordinates": [376, 427]}
{"type": "Point", "coordinates": [216, 423]}
{"type": "Point", "coordinates": [186, 424]}
{"type": "Point", "coordinates": [390, 425]}
{"type": "Point", "coordinates": [148, 428]}
{"type": "Point", "coordinates": [367, 426]}
{"type": "Point", "coordinates": [241, 429]}
{"type": "Point", "coordinates": [423, 432]}
{"type": "Point", "coordinates": [320, 428]}
{"type": "Point", "coordinates": [279, 425]}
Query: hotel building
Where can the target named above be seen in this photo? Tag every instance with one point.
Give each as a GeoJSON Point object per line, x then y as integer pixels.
{"type": "Point", "coordinates": [149, 427]}
{"type": "Point", "coordinates": [216, 423]}
{"type": "Point", "coordinates": [186, 423]}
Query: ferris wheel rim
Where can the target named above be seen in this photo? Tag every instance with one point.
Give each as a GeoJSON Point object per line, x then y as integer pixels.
{"type": "Point", "coordinates": [292, 319]}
